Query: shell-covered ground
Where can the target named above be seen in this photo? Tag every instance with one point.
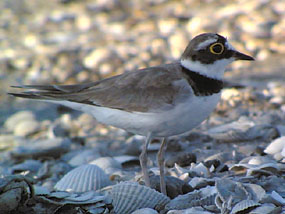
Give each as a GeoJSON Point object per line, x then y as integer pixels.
{"type": "Point", "coordinates": [56, 160]}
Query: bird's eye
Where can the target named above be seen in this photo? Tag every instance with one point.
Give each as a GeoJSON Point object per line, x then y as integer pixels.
{"type": "Point", "coordinates": [217, 48]}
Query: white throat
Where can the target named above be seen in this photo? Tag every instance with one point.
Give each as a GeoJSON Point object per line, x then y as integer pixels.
{"type": "Point", "coordinates": [215, 71]}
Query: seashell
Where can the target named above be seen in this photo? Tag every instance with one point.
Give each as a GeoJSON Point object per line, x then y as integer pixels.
{"type": "Point", "coordinates": [275, 148]}
{"type": "Point", "coordinates": [192, 210]}
{"type": "Point", "coordinates": [62, 198]}
{"type": "Point", "coordinates": [244, 205]}
{"type": "Point", "coordinates": [133, 145]}
{"type": "Point", "coordinates": [130, 196]}
{"type": "Point", "coordinates": [218, 202]}
{"type": "Point", "coordinates": [243, 131]}
{"type": "Point", "coordinates": [83, 178]}
{"type": "Point", "coordinates": [221, 156]}
{"type": "Point", "coordinates": [203, 197]}
{"type": "Point", "coordinates": [230, 191]}
{"type": "Point", "coordinates": [42, 148]}
{"type": "Point", "coordinates": [182, 159]}
{"type": "Point", "coordinates": [232, 131]}
{"type": "Point", "coordinates": [258, 164]}
{"type": "Point", "coordinates": [199, 182]}
{"type": "Point", "coordinates": [145, 211]}
{"type": "Point", "coordinates": [265, 209]}
{"type": "Point", "coordinates": [83, 157]}
{"type": "Point", "coordinates": [275, 195]}
{"type": "Point", "coordinates": [273, 198]}
{"type": "Point", "coordinates": [28, 165]}
{"type": "Point", "coordinates": [108, 164]}
{"type": "Point", "coordinates": [264, 169]}
{"type": "Point", "coordinates": [15, 190]}
{"type": "Point", "coordinates": [127, 159]}
{"type": "Point", "coordinates": [174, 185]}
{"type": "Point", "coordinates": [18, 117]}
{"type": "Point", "coordinates": [200, 169]}
{"type": "Point", "coordinates": [255, 191]}
{"type": "Point", "coordinates": [41, 190]}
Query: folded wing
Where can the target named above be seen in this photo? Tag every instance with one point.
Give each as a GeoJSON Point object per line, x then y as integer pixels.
{"type": "Point", "coordinates": [143, 90]}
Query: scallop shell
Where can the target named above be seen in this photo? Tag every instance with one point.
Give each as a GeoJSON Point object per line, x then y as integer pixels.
{"type": "Point", "coordinates": [83, 157]}
{"type": "Point", "coordinates": [145, 211]}
{"type": "Point", "coordinates": [255, 191]}
{"type": "Point", "coordinates": [265, 209]}
{"type": "Point", "coordinates": [108, 164]}
{"type": "Point", "coordinates": [257, 164]}
{"type": "Point", "coordinates": [230, 190]}
{"type": "Point", "coordinates": [203, 197]}
{"type": "Point", "coordinates": [244, 205]}
{"type": "Point", "coordinates": [130, 196]}
{"type": "Point", "coordinates": [83, 178]}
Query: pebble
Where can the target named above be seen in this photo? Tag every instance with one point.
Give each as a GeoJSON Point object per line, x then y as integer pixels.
{"type": "Point", "coordinates": [84, 156]}
{"type": "Point", "coordinates": [42, 148]}
{"type": "Point", "coordinates": [182, 159]}
{"type": "Point", "coordinates": [174, 186]}
{"type": "Point", "coordinates": [17, 118]}
{"type": "Point", "coordinates": [97, 56]}
{"type": "Point", "coordinates": [25, 128]}
{"type": "Point", "coordinates": [8, 142]}
{"type": "Point", "coordinates": [27, 165]}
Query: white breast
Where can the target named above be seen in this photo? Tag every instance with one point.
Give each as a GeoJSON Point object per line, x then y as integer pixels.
{"type": "Point", "coordinates": [182, 118]}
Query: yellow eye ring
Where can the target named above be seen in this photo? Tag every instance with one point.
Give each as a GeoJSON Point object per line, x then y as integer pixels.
{"type": "Point", "coordinates": [217, 48]}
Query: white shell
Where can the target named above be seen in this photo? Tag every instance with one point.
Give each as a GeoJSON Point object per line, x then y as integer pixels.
{"type": "Point", "coordinates": [275, 146]}
{"type": "Point", "coordinates": [130, 196]}
{"type": "Point", "coordinates": [264, 209]}
{"type": "Point", "coordinates": [83, 157]}
{"type": "Point", "coordinates": [83, 178]}
{"type": "Point", "coordinates": [125, 158]}
{"type": "Point", "coordinates": [243, 205]}
{"type": "Point", "coordinates": [108, 164]}
{"type": "Point", "coordinates": [145, 211]}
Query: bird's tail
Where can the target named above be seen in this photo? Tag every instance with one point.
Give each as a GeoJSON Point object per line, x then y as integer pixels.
{"type": "Point", "coordinates": [50, 92]}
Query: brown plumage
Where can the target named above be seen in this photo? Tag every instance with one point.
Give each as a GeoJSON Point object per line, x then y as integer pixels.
{"type": "Point", "coordinates": [142, 90]}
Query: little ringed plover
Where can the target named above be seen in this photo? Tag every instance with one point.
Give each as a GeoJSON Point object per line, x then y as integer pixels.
{"type": "Point", "coordinates": [160, 101]}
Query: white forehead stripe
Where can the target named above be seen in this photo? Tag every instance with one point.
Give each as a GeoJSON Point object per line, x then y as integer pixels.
{"type": "Point", "coordinates": [229, 46]}
{"type": "Point", "coordinates": [204, 44]}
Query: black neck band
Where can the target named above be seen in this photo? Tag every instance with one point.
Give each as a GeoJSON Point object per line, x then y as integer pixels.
{"type": "Point", "coordinates": [201, 84]}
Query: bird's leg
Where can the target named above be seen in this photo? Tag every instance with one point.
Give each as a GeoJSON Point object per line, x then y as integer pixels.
{"type": "Point", "coordinates": [160, 161]}
{"type": "Point", "coordinates": [143, 159]}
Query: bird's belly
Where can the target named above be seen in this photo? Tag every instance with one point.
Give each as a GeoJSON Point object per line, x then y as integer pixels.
{"type": "Point", "coordinates": [182, 118]}
{"type": "Point", "coordinates": [186, 116]}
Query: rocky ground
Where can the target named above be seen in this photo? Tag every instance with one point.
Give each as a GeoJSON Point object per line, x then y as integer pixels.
{"type": "Point", "coordinates": [232, 163]}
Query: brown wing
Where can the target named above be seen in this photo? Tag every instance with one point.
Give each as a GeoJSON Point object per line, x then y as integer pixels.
{"type": "Point", "coordinates": [145, 89]}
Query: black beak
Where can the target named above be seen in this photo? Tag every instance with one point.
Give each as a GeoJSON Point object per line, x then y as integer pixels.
{"type": "Point", "coordinates": [240, 56]}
